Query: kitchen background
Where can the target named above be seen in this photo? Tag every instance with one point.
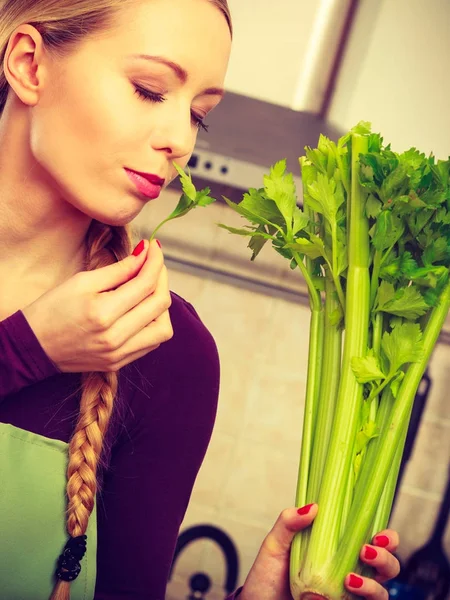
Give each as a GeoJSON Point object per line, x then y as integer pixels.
{"type": "Point", "coordinates": [298, 68]}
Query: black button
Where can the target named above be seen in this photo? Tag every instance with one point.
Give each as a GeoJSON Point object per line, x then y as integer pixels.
{"type": "Point", "coordinates": [208, 165]}
{"type": "Point", "coordinates": [224, 170]}
{"type": "Point", "coordinates": [193, 161]}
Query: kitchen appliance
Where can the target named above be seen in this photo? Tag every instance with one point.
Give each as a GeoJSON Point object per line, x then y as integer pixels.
{"type": "Point", "coordinates": [200, 583]}
{"type": "Point", "coordinates": [246, 136]}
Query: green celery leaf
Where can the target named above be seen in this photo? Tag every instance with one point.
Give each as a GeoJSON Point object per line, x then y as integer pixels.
{"type": "Point", "coordinates": [388, 230]}
{"type": "Point", "coordinates": [253, 207]}
{"type": "Point", "coordinates": [300, 221]}
{"type": "Point", "coordinates": [385, 294]}
{"type": "Point", "coordinates": [418, 220]}
{"type": "Point", "coordinates": [342, 253]}
{"type": "Point", "coordinates": [256, 201]}
{"type": "Point", "coordinates": [184, 205]}
{"type": "Point", "coordinates": [408, 303]}
{"type": "Point", "coordinates": [316, 159]}
{"type": "Point", "coordinates": [203, 198]}
{"type": "Point", "coordinates": [403, 345]}
{"type": "Point", "coordinates": [186, 182]}
{"type": "Point", "coordinates": [336, 316]}
{"type": "Point", "coordinates": [396, 383]}
{"type": "Point", "coordinates": [312, 248]}
{"type": "Point", "coordinates": [394, 183]}
{"type": "Point", "coordinates": [280, 187]}
{"type": "Point", "coordinates": [442, 216]}
{"type": "Point", "coordinates": [260, 238]}
{"type": "Point", "coordinates": [246, 232]}
{"type": "Point", "coordinates": [325, 197]}
{"type": "Point", "coordinates": [362, 128]}
{"type": "Point", "coordinates": [367, 369]}
{"type": "Point", "coordinates": [373, 206]}
{"type": "Point", "coordinates": [399, 267]}
{"type": "Point", "coordinates": [437, 250]}
{"type": "Point", "coordinates": [367, 433]}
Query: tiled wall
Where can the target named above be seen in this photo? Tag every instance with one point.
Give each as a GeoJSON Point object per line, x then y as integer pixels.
{"type": "Point", "coordinates": [250, 470]}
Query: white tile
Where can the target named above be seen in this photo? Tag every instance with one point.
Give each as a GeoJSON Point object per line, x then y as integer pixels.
{"type": "Point", "coordinates": [177, 588]}
{"type": "Point", "coordinates": [238, 376]}
{"type": "Point", "coordinates": [190, 559]}
{"type": "Point", "coordinates": [246, 537]}
{"type": "Point", "coordinates": [261, 482]}
{"type": "Point", "coordinates": [186, 285]}
{"type": "Point", "coordinates": [236, 317]}
{"type": "Point", "coordinates": [438, 401]}
{"type": "Point", "coordinates": [214, 470]}
{"type": "Point", "coordinates": [274, 415]}
{"type": "Point", "coordinates": [428, 466]}
{"type": "Point", "coordinates": [413, 518]}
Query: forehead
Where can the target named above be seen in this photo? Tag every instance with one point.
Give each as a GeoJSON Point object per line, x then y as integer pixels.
{"type": "Point", "coordinates": [193, 33]}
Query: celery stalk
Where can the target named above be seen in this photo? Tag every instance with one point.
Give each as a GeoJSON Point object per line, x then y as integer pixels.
{"type": "Point", "coordinates": [358, 528]}
{"type": "Point", "coordinates": [325, 532]}
{"type": "Point", "coordinates": [328, 392]}
{"type": "Point", "coordinates": [311, 400]}
{"type": "Point", "coordinates": [373, 245]}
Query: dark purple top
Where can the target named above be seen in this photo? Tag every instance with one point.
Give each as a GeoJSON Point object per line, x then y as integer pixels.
{"type": "Point", "coordinates": [161, 426]}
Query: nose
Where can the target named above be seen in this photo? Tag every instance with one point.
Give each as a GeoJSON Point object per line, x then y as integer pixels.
{"type": "Point", "coordinates": [174, 133]}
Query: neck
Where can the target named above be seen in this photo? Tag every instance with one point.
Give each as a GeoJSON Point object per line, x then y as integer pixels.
{"type": "Point", "coordinates": [41, 235]}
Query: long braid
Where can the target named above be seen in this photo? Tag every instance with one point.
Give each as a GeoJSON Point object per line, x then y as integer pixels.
{"type": "Point", "coordinates": [104, 245]}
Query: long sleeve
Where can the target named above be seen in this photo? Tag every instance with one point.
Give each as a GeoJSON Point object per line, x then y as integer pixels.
{"type": "Point", "coordinates": [23, 361]}
{"type": "Point", "coordinates": [153, 469]}
{"type": "Point", "coordinates": [235, 594]}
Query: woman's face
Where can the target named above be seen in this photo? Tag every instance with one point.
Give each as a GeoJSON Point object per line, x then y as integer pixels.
{"type": "Point", "coordinates": [110, 107]}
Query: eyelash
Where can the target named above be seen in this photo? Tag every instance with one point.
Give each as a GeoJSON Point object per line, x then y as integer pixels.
{"type": "Point", "coordinates": [154, 97]}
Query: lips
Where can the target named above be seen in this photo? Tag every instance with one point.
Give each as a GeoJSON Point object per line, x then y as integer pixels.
{"type": "Point", "coordinates": [146, 183]}
{"type": "Point", "coordinates": [149, 177]}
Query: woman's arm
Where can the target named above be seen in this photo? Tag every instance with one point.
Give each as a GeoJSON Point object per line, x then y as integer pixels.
{"type": "Point", "coordinates": [23, 361]}
{"type": "Point", "coordinates": [153, 468]}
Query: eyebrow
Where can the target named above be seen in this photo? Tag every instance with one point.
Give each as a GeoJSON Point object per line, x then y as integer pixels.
{"type": "Point", "coordinates": [181, 73]}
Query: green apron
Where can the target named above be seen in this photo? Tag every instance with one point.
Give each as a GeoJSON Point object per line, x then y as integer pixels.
{"type": "Point", "coordinates": [32, 518]}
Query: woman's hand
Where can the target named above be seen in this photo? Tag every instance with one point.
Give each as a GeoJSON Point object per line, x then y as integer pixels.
{"type": "Point", "coordinates": [268, 579]}
{"type": "Point", "coordinates": [104, 319]}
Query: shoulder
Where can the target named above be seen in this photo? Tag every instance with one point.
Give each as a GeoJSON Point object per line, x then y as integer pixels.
{"type": "Point", "coordinates": [183, 371]}
{"type": "Point", "coordinates": [190, 334]}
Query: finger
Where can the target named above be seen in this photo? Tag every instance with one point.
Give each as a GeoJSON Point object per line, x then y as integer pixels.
{"type": "Point", "coordinates": [365, 587]}
{"type": "Point", "coordinates": [385, 563]}
{"type": "Point", "coordinates": [291, 521]}
{"type": "Point", "coordinates": [139, 317]}
{"type": "Point", "coordinates": [388, 538]}
{"type": "Point", "coordinates": [150, 339]}
{"type": "Point", "coordinates": [115, 274]}
{"type": "Point", "coordinates": [115, 303]}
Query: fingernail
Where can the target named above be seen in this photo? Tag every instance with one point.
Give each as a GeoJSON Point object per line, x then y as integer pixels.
{"type": "Point", "coordinates": [304, 510]}
{"type": "Point", "coordinates": [355, 581]}
{"type": "Point", "coordinates": [370, 552]}
{"type": "Point", "coordinates": [159, 243]}
{"type": "Point", "coordinates": [139, 248]}
{"type": "Point", "coordinates": [381, 540]}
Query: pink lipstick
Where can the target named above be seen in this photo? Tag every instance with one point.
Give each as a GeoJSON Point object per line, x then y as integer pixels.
{"type": "Point", "coordinates": [147, 184]}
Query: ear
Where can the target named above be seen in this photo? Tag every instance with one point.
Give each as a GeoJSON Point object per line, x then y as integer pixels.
{"type": "Point", "coordinates": [23, 63]}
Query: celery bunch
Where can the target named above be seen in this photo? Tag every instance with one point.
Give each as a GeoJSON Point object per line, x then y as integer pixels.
{"type": "Point", "coordinates": [373, 244]}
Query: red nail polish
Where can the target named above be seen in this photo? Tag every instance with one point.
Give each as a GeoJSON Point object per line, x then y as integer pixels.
{"type": "Point", "coordinates": [370, 552]}
{"type": "Point", "coordinates": [139, 248]}
{"type": "Point", "coordinates": [381, 540]}
{"type": "Point", "coordinates": [304, 510]}
{"type": "Point", "coordinates": [159, 243]}
{"type": "Point", "coordinates": [355, 581]}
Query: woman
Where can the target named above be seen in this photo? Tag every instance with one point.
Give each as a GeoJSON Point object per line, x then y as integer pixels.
{"type": "Point", "coordinates": [97, 98]}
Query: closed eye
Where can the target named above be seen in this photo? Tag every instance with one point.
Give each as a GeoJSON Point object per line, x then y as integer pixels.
{"type": "Point", "coordinates": [150, 96]}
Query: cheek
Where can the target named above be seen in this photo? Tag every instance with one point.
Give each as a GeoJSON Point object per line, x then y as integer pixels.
{"type": "Point", "coordinates": [83, 131]}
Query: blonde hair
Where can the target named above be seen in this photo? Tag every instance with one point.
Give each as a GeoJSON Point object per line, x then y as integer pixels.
{"type": "Point", "coordinates": [63, 24]}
